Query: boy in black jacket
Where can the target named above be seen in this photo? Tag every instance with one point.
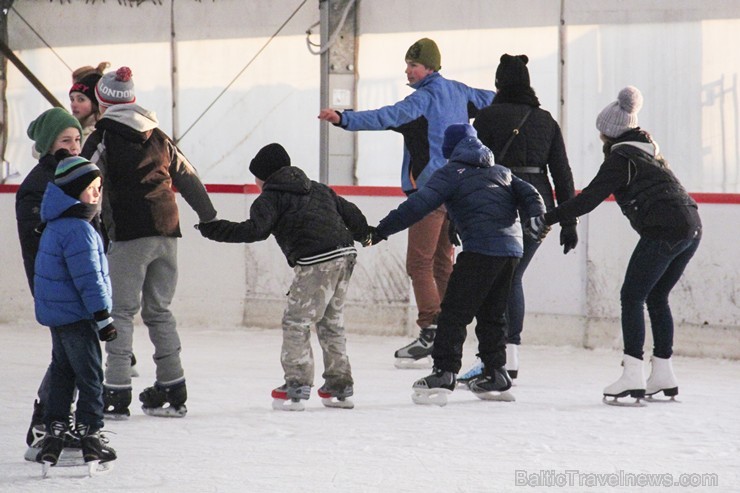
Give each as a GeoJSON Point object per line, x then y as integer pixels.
{"type": "Point", "coordinates": [315, 228]}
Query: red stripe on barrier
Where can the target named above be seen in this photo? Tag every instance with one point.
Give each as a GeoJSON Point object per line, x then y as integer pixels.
{"type": "Point", "coordinates": [365, 191]}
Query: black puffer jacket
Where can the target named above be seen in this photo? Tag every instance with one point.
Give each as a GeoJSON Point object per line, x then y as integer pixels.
{"type": "Point", "coordinates": [307, 218]}
{"type": "Point", "coordinates": [539, 143]}
{"type": "Point", "coordinates": [28, 210]}
{"type": "Point", "coordinates": [645, 188]}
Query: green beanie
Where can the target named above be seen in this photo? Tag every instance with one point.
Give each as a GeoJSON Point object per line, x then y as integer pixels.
{"type": "Point", "coordinates": [45, 129]}
{"type": "Point", "coordinates": [425, 51]}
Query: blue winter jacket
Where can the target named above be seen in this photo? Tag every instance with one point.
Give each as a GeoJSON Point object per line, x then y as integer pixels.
{"type": "Point", "coordinates": [481, 199]}
{"type": "Point", "coordinates": [422, 118]}
{"type": "Point", "coordinates": [71, 279]}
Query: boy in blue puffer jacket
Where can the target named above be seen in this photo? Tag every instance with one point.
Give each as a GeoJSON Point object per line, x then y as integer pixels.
{"type": "Point", "coordinates": [72, 295]}
{"type": "Point", "coordinates": [482, 200]}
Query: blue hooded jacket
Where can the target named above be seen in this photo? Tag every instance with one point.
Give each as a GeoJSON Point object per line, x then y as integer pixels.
{"type": "Point", "coordinates": [71, 279]}
{"type": "Point", "coordinates": [481, 199]}
{"type": "Point", "coordinates": [422, 117]}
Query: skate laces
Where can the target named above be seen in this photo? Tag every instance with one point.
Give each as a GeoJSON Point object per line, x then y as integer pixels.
{"type": "Point", "coordinates": [102, 435]}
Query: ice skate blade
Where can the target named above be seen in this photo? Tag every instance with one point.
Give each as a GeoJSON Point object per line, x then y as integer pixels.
{"type": "Point", "coordinates": [166, 412]}
{"type": "Point", "coordinates": [45, 466]}
{"type": "Point", "coordinates": [669, 397]}
{"type": "Point", "coordinates": [96, 468]}
{"type": "Point", "coordinates": [504, 396]}
{"type": "Point", "coordinates": [614, 401]}
{"type": "Point", "coordinates": [413, 364]}
{"type": "Point", "coordinates": [116, 416]}
{"type": "Point", "coordinates": [670, 393]}
{"type": "Point", "coordinates": [287, 405]}
{"type": "Point", "coordinates": [337, 403]}
{"type": "Point", "coordinates": [426, 397]}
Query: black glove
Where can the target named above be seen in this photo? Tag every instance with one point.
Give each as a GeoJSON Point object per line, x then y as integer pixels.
{"type": "Point", "coordinates": [213, 230]}
{"type": "Point", "coordinates": [108, 333]}
{"type": "Point", "coordinates": [536, 228]}
{"type": "Point", "coordinates": [452, 234]}
{"type": "Point", "coordinates": [368, 240]}
{"type": "Point", "coordinates": [374, 237]}
{"type": "Point", "coordinates": [568, 237]}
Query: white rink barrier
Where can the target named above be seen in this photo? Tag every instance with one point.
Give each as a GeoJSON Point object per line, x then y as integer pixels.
{"type": "Point", "coordinates": [571, 299]}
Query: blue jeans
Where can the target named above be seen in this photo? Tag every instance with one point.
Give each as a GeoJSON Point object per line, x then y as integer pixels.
{"type": "Point", "coordinates": [76, 360]}
{"type": "Point", "coordinates": [654, 268]}
{"type": "Point", "coordinates": [515, 307]}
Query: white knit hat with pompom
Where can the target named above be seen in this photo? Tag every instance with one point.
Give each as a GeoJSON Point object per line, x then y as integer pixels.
{"type": "Point", "coordinates": [621, 115]}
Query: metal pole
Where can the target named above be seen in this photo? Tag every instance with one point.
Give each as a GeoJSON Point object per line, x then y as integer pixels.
{"type": "Point", "coordinates": [8, 53]}
{"type": "Point", "coordinates": [173, 75]}
{"type": "Point", "coordinates": [324, 90]}
{"type": "Point", "coordinates": [562, 72]}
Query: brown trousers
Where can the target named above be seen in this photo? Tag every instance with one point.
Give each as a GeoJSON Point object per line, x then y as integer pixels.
{"type": "Point", "coordinates": [429, 263]}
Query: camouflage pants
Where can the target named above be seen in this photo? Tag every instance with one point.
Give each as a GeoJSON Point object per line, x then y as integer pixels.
{"type": "Point", "coordinates": [317, 297]}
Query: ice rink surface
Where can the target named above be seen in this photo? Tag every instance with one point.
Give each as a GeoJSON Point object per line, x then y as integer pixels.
{"type": "Point", "coordinates": [557, 436]}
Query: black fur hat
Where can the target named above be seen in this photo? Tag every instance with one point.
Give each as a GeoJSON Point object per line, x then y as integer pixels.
{"type": "Point", "coordinates": [512, 71]}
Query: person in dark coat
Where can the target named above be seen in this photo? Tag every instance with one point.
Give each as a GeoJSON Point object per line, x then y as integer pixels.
{"type": "Point", "coordinates": [56, 134]}
{"type": "Point", "coordinates": [666, 218]}
{"type": "Point", "coordinates": [482, 199]}
{"type": "Point", "coordinates": [536, 154]}
{"type": "Point", "coordinates": [316, 229]}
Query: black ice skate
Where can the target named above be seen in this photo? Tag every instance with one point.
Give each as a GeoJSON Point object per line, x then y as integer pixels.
{"type": "Point", "coordinates": [492, 387]}
{"type": "Point", "coordinates": [52, 446]}
{"type": "Point", "coordinates": [165, 402]}
{"type": "Point", "coordinates": [95, 451]}
{"type": "Point", "coordinates": [71, 454]}
{"type": "Point", "coordinates": [433, 389]}
{"type": "Point", "coordinates": [418, 353]}
{"type": "Point", "coordinates": [288, 397]}
{"type": "Point", "coordinates": [116, 402]}
{"type": "Point", "coordinates": [332, 396]}
{"type": "Point", "coordinates": [36, 432]}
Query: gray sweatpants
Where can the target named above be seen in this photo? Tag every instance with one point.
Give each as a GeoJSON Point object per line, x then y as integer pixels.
{"type": "Point", "coordinates": [143, 275]}
{"type": "Point", "coordinates": [317, 297]}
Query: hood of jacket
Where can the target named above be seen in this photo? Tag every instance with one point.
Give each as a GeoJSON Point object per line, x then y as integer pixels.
{"type": "Point", "coordinates": [55, 203]}
{"type": "Point", "coordinates": [132, 115]}
{"type": "Point", "coordinates": [58, 204]}
{"type": "Point", "coordinates": [288, 179]}
{"type": "Point", "coordinates": [637, 138]}
{"type": "Point", "coordinates": [471, 151]}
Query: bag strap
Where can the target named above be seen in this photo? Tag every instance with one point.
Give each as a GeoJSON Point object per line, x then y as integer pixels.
{"type": "Point", "coordinates": [514, 133]}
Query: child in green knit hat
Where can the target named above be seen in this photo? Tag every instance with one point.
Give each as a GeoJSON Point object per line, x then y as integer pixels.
{"type": "Point", "coordinates": [54, 129]}
{"type": "Point", "coordinates": [56, 134]}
